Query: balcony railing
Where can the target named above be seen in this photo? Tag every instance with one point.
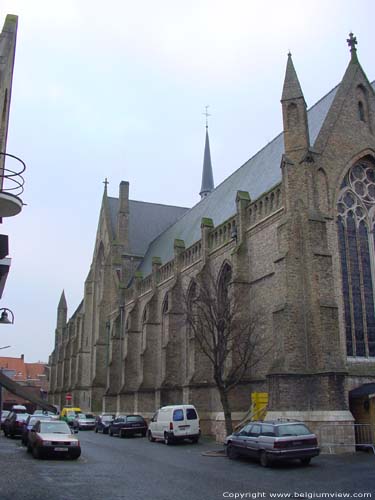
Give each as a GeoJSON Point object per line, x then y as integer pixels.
{"type": "Point", "coordinates": [11, 185]}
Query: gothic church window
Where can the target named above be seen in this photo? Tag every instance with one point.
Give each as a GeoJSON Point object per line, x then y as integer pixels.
{"type": "Point", "coordinates": [362, 103]}
{"type": "Point", "coordinates": [190, 339]}
{"type": "Point", "coordinates": [356, 224]}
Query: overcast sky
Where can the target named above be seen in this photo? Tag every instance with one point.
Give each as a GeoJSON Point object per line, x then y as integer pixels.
{"type": "Point", "coordinates": [117, 89]}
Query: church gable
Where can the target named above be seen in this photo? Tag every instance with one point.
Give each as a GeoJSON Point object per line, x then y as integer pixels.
{"type": "Point", "coordinates": [349, 124]}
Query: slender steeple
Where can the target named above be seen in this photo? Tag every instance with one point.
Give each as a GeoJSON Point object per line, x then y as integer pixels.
{"type": "Point", "coordinates": [207, 175]}
{"type": "Point", "coordinates": [62, 311]}
{"type": "Point", "coordinates": [296, 133]}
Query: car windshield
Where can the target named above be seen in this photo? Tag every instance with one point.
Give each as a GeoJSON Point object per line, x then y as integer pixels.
{"type": "Point", "coordinates": [22, 416]}
{"type": "Point", "coordinates": [134, 418]}
{"type": "Point", "coordinates": [70, 413]}
{"type": "Point", "coordinates": [107, 418]}
{"type": "Point", "coordinates": [292, 430]}
{"type": "Point", "coordinates": [55, 427]}
{"type": "Point", "coordinates": [32, 420]}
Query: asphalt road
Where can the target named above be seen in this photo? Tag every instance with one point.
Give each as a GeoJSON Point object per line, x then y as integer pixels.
{"type": "Point", "coordinates": [111, 468]}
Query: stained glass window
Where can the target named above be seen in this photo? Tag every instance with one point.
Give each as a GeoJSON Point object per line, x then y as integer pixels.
{"type": "Point", "coordinates": [355, 222]}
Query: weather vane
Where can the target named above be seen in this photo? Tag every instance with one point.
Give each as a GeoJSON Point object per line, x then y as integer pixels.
{"type": "Point", "coordinates": [206, 114]}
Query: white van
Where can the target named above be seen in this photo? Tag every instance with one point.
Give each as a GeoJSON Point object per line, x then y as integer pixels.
{"type": "Point", "coordinates": [175, 423]}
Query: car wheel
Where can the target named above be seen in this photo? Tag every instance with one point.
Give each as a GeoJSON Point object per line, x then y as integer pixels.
{"type": "Point", "coordinates": [111, 433]}
{"type": "Point", "coordinates": [195, 440]}
{"type": "Point", "coordinates": [36, 452]}
{"type": "Point", "coordinates": [231, 452]}
{"type": "Point", "coordinates": [150, 437]}
{"type": "Point", "coordinates": [167, 439]}
{"type": "Point", "coordinates": [121, 433]}
{"type": "Point", "coordinates": [264, 462]}
{"type": "Point", "coordinates": [96, 429]}
{"type": "Point", "coordinates": [305, 461]}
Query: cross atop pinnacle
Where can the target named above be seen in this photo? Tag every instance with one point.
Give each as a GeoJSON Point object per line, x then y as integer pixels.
{"type": "Point", "coordinates": [206, 113]}
{"type": "Point", "coordinates": [352, 42]}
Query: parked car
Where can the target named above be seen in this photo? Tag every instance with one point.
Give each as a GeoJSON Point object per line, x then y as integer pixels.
{"type": "Point", "coordinates": [4, 414]}
{"type": "Point", "coordinates": [30, 422]}
{"type": "Point", "coordinates": [45, 413]}
{"type": "Point", "coordinates": [103, 422]}
{"type": "Point", "coordinates": [84, 421]}
{"type": "Point", "coordinates": [175, 423]}
{"type": "Point", "coordinates": [14, 424]}
{"type": "Point", "coordinates": [273, 441]}
{"type": "Point", "coordinates": [128, 425]}
{"type": "Point", "coordinates": [53, 438]}
{"type": "Point", "coordinates": [19, 409]}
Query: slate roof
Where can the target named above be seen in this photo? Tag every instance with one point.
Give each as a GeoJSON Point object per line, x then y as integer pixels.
{"type": "Point", "coordinates": [146, 221]}
{"type": "Point", "coordinates": [257, 175]}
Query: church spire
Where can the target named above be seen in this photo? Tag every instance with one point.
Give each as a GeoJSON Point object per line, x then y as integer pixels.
{"type": "Point", "coordinates": [62, 311]}
{"type": "Point", "coordinates": [296, 133]}
{"type": "Point", "coordinates": [62, 304]}
{"type": "Point", "coordinates": [292, 88]}
{"type": "Point", "coordinates": [207, 175]}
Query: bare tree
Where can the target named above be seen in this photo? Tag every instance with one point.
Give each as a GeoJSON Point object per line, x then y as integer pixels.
{"type": "Point", "coordinates": [225, 332]}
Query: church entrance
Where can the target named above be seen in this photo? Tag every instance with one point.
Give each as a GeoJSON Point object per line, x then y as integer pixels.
{"type": "Point", "coordinates": [362, 407]}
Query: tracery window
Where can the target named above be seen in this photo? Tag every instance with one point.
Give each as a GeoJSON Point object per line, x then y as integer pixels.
{"type": "Point", "coordinates": [356, 224]}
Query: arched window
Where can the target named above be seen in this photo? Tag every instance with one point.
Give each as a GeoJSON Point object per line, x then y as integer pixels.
{"type": "Point", "coordinates": [356, 224]}
{"type": "Point", "coordinates": [362, 102]}
{"type": "Point", "coordinates": [361, 111]}
{"type": "Point", "coordinates": [144, 339]}
{"type": "Point", "coordinates": [190, 339]}
{"type": "Point", "coordinates": [224, 281]}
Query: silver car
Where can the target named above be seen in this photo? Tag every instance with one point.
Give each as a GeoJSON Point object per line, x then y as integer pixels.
{"type": "Point", "coordinates": [84, 421]}
{"type": "Point", "coordinates": [272, 441]}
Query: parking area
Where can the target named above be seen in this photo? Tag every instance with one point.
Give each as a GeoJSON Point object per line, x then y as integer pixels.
{"type": "Point", "coordinates": [133, 468]}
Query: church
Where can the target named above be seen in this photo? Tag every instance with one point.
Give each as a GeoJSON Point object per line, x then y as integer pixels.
{"type": "Point", "coordinates": [292, 231]}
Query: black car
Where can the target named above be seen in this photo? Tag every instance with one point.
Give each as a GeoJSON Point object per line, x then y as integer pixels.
{"type": "Point", "coordinates": [128, 425]}
{"type": "Point", "coordinates": [14, 424]}
{"type": "Point", "coordinates": [103, 422]}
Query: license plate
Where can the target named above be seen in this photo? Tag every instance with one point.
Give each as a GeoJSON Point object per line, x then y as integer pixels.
{"type": "Point", "coordinates": [61, 449]}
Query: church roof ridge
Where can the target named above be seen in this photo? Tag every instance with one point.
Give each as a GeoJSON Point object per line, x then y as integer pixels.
{"type": "Point", "coordinates": [151, 203]}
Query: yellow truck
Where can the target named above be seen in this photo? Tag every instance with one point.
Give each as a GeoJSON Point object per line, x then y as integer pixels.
{"type": "Point", "coordinates": [69, 413]}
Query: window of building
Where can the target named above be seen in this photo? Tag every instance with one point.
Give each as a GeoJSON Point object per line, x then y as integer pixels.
{"type": "Point", "coordinates": [356, 224]}
{"type": "Point", "coordinates": [361, 111]}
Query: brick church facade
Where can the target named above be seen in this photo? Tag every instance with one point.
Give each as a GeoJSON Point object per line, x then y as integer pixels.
{"type": "Point", "coordinates": [293, 228]}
